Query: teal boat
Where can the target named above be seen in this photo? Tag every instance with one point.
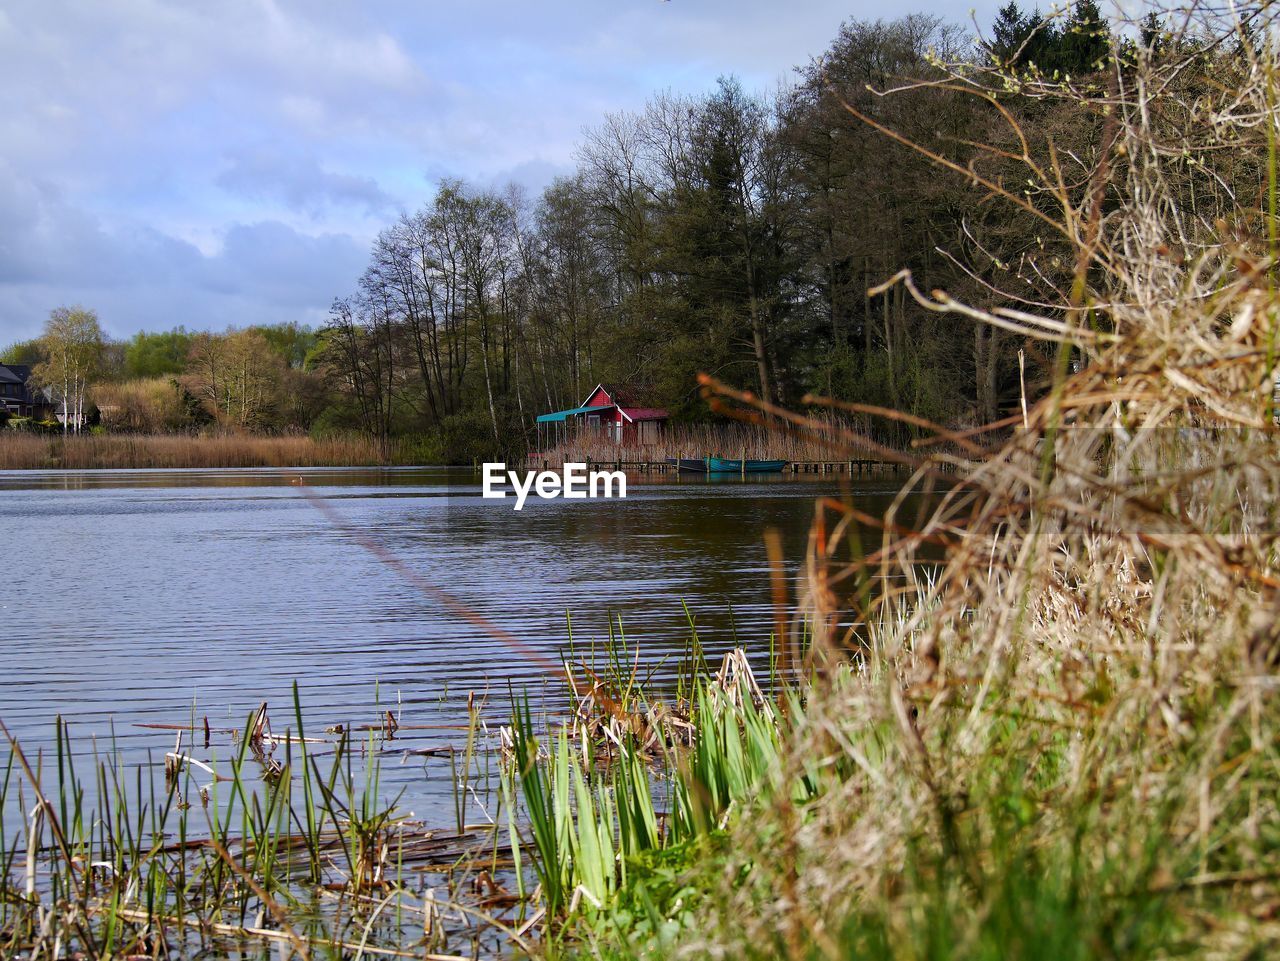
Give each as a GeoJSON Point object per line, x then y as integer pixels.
{"type": "Point", "coordinates": [721, 465]}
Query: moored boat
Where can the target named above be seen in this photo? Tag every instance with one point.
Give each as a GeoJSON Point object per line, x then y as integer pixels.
{"type": "Point", "coordinates": [722, 465]}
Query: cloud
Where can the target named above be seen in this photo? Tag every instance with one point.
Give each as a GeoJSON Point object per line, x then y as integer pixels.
{"type": "Point", "coordinates": [285, 268]}
{"type": "Point", "coordinates": [45, 239]}
{"type": "Point", "coordinates": [138, 277]}
{"type": "Point", "coordinates": [301, 184]}
{"type": "Point", "coordinates": [213, 163]}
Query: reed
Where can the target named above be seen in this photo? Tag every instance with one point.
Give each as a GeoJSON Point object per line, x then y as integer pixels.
{"type": "Point", "coordinates": [825, 442]}
{"type": "Point", "coordinates": [593, 789]}
{"type": "Point", "coordinates": [23, 451]}
{"type": "Point", "coordinates": [267, 846]}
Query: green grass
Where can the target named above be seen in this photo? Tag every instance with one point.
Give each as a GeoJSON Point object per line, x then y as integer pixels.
{"type": "Point", "coordinates": [592, 802]}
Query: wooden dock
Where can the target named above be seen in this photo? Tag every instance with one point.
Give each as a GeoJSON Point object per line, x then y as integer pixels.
{"type": "Point", "coordinates": [852, 467]}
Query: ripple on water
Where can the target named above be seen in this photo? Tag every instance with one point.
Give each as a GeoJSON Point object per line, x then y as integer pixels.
{"type": "Point", "coordinates": [152, 597]}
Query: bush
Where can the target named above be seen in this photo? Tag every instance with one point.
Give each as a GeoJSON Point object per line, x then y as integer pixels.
{"type": "Point", "coordinates": [421, 449]}
{"type": "Point", "coordinates": [465, 438]}
{"type": "Point", "coordinates": [149, 405]}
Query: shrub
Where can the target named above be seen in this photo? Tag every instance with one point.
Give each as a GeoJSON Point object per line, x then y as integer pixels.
{"type": "Point", "coordinates": [148, 405]}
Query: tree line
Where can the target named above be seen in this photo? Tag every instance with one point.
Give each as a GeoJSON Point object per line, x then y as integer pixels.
{"type": "Point", "coordinates": [746, 235]}
{"type": "Point", "coordinates": [743, 234]}
{"type": "Point", "coordinates": [258, 378]}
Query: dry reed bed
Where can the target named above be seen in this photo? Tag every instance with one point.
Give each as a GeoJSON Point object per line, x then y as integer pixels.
{"type": "Point", "coordinates": [822, 442]}
{"type": "Point", "coordinates": [23, 451]}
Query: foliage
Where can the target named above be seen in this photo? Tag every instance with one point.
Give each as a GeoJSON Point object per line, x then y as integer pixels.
{"type": "Point", "coordinates": [590, 821]}
{"type": "Point", "coordinates": [733, 233]}
{"type": "Point", "coordinates": [152, 405]}
{"type": "Point", "coordinates": [27, 352]}
{"type": "Point", "coordinates": [1036, 722]}
{"type": "Point", "coordinates": [740, 234]}
{"type": "Point", "coordinates": [293, 342]}
{"type": "Point", "coordinates": [1072, 45]}
{"type": "Point", "coordinates": [157, 354]}
{"type": "Point", "coordinates": [72, 344]}
{"type": "Point", "coordinates": [1040, 727]}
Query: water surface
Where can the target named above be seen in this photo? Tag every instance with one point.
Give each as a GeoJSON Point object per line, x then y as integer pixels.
{"type": "Point", "coordinates": [137, 598]}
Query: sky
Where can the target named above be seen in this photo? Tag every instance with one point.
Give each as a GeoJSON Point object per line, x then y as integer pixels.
{"type": "Point", "coordinates": [218, 163]}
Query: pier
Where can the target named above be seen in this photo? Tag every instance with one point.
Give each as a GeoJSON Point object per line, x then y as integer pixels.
{"type": "Point", "coordinates": [851, 467]}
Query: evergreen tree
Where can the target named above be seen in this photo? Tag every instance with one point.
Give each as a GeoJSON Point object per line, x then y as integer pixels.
{"type": "Point", "coordinates": [1152, 33]}
{"type": "Point", "coordinates": [1085, 43]}
{"type": "Point", "coordinates": [1022, 40]}
{"type": "Point", "coordinates": [1007, 33]}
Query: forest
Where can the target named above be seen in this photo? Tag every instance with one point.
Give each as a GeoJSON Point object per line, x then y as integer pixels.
{"type": "Point", "coordinates": [747, 235]}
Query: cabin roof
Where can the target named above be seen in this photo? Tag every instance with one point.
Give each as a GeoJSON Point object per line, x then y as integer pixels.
{"type": "Point", "coordinates": [565, 414]}
{"type": "Point", "coordinates": [628, 398]}
{"type": "Point", "coordinates": [643, 413]}
{"type": "Point", "coordinates": [596, 389]}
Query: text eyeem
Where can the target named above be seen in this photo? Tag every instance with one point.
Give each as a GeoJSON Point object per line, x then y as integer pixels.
{"type": "Point", "coordinates": [574, 482]}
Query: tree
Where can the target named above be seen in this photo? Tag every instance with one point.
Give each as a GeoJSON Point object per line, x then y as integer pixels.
{"type": "Point", "coordinates": [207, 364]}
{"type": "Point", "coordinates": [72, 343]}
{"type": "Point", "coordinates": [255, 374]}
{"type": "Point", "coordinates": [568, 274]}
{"type": "Point", "coordinates": [741, 234]}
{"type": "Point", "coordinates": [1085, 43]}
{"type": "Point", "coordinates": [28, 352]}
{"type": "Point", "coordinates": [870, 206]}
{"type": "Point", "coordinates": [1152, 33]}
{"type": "Point", "coordinates": [357, 354]}
{"type": "Point", "coordinates": [292, 341]}
{"type": "Point", "coordinates": [240, 375]}
{"type": "Point", "coordinates": [1022, 40]}
{"type": "Point", "coordinates": [158, 354]}
{"type": "Point", "coordinates": [737, 216]}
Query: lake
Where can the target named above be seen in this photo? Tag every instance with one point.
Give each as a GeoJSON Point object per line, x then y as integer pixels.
{"type": "Point", "coordinates": [133, 600]}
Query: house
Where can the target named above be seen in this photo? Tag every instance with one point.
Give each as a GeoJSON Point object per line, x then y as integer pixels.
{"type": "Point", "coordinates": [17, 398]}
{"type": "Point", "coordinates": [612, 412]}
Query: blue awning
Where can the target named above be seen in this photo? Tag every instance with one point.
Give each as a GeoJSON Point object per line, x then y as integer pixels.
{"type": "Point", "coordinates": [566, 414]}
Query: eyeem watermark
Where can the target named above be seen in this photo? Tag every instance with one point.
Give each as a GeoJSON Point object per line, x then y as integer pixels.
{"type": "Point", "coordinates": [575, 482]}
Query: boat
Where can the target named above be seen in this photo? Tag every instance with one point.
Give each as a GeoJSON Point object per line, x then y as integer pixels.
{"type": "Point", "coordinates": [721, 465]}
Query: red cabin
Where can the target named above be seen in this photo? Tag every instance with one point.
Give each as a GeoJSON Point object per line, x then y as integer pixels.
{"type": "Point", "coordinates": [607, 410]}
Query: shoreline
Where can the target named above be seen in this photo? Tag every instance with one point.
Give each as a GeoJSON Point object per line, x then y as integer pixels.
{"type": "Point", "coordinates": [181, 451]}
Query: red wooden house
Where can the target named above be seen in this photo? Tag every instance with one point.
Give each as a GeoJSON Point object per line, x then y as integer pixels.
{"type": "Point", "coordinates": [611, 412]}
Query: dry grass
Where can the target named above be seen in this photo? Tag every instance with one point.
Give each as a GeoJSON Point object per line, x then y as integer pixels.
{"type": "Point", "coordinates": [23, 451]}
{"type": "Point", "coordinates": [821, 441]}
{"type": "Point", "coordinates": [1062, 742]}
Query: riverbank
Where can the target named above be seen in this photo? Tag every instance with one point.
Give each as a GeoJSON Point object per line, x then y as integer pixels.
{"type": "Point", "coordinates": [1055, 745]}
{"type": "Point", "coordinates": [1014, 756]}
{"type": "Point", "coordinates": [20, 450]}
{"type": "Point", "coordinates": [23, 451]}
